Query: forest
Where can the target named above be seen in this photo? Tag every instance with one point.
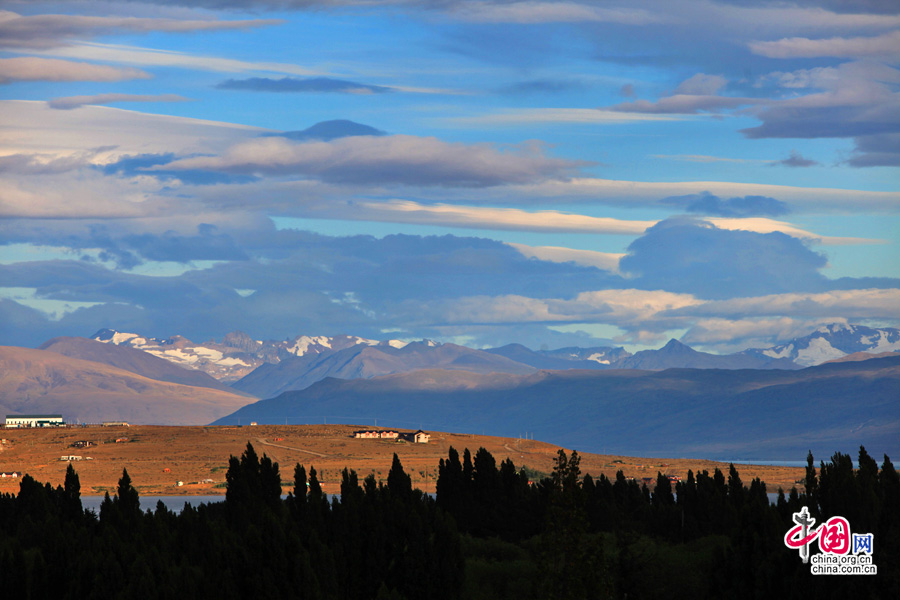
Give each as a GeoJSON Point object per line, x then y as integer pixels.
{"type": "Point", "coordinates": [488, 533]}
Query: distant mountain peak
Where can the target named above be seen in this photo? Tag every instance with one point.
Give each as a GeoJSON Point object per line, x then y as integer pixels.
{"type": "Point", "coordinates": [676, 346]}
{"type": "Point", "coordinates": [832, 341]}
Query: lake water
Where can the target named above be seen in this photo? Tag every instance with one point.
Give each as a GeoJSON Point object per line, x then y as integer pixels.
{"type": "Point", "coordinates": [173, 503]}
{"type": "Point", "coordinates": [774, 463]}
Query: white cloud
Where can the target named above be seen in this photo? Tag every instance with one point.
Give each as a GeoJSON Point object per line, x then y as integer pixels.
{"type": "Point", "coordinates": [398, 159]}
{"type": "Point", "coordinates": [32, 68]}
{"type": "Point", "coordinates": [846, 304]}
{"type": "Point", "coordinates": [405, 211]}
{"type": "Point", "coordinates": [886, 45]}
{"type": "Point", "coordinates": [626, 308]}
{"type": "Point", "coordinates": [47, 31]}
{"type": "Point", "coordinates": [169, 58]}
{"type": "Point", "coordinates": [71, 102]}
{"type": "Point", "coordinates": [33, 127]}
{"type": "Point", "coordinates": [764, 225]}
{"type": "Point", "coordinates": [701, 84]}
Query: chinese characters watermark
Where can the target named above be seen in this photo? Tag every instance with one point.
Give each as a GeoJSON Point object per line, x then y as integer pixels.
{"type": "Point", "coordinates": [841, 551]}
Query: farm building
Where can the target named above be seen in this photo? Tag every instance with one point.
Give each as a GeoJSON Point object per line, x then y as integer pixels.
{"type": "Point", "coordinates": [375, 434]}
{"type": "Point", "coordinates": [34, 421]}
{"type": "Point", "coordinates": [419, 437]}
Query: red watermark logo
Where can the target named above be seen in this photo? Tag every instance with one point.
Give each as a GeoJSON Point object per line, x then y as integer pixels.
{"type": "Point", "coordinates": [841, 551]}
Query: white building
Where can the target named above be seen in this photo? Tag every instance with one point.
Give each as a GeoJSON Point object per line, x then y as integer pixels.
{"type": "Point", "coordinates": [34, 421]}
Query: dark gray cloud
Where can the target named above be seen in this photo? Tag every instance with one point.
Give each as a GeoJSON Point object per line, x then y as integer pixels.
{"type": "Point", "coordinates": [686, 255]}
{"type": "Point", "coordinates": [796, 160]}
{"type": "Point", "coordinates": [787, 121]}
{"type": "Point", "coordinates": [141, 164]}
{"type": "Point", "coordinates": [329, 130]}
{"type": "Point", "coordinates": [880, 150]}
{"type": "Point", "coordinates": [293, 85]}
{"type": "Point", "coordinates": [304, 282]}
{"type": "Point", "coordinates": [747, 206]}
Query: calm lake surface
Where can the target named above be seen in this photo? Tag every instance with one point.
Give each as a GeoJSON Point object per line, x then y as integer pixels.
{"type": "Point", "coordinates": [173, 503]}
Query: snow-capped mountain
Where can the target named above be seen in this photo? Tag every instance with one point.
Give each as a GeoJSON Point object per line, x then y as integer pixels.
{"type": "Point", "coordinates": [834, 341]}
{"type": "Point", "coordinates": [237, 354]}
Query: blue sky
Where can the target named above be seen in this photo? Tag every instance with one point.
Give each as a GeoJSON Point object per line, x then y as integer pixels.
{"type": "Point", "coordinates": [542, 172]}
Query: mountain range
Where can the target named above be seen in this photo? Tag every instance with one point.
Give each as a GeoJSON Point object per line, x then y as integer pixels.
{"type": "Point", "coordinates": [724, 414]}
{"type": "Point", "coordinates": [267, 368]}
{"type": "Point", "coordinates": [118, 375]}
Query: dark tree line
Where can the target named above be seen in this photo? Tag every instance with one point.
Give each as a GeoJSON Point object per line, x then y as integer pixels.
{"type": "Point", "coordinates": [711, 536]}
{"type": "Point", "coordinates": [375, 541]}
{"type": "Point", "coordinates": [488, 533]}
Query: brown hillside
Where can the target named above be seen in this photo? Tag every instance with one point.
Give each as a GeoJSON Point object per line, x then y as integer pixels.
{"type": "Point", "coordinates": [132, 359]}
{"type": "Point", "coordinates": [195, 454]}
{"type": "Point", "coordinates": [39, 381]}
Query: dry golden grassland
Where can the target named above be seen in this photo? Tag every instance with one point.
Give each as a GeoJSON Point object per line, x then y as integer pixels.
{"type": "Point", "coordinates": [157, 457]}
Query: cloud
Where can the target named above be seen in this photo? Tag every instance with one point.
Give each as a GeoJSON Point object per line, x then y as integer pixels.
{"type": "Point", "coordinates": [71, 102]}
{"type": "Point", "coordinates": [330, 130]}
{"type": "Point", "coordinates": [878, 150]}
{"type": "Point", "coordinates": [48, 31]}
{"type": "Point", "coordinates": [614, 192]}
{"type": "Point", "coordinates": [747, 206]}
{"type": "Point", "coordinates": [555, 115]}
{"type": "Point", "coordinates": [704, 158]}
{"type": "Point", "coordinates": [536, 12]}
{"type": "Point", "coordinates": [698, 93]}
{"type": "Point", "coordinates": [301, 280]}
{"type": "Point", "coordinates": [886, 45]}
{"type": "Point", "coordinates": [117, 53]}
{"type": "Point", "coordinates": [626, 308]}
{"type": "Point", "coordinates": [796, 160]}
{"type": "Point", "coordinates": [700, 84]}
{"type": "Point", "coordinates": [292, 85]}
{"type": "Point", "coordinates": [683, 104]}
{"type": "Point", "coordinates": [589, 258]}
{"type": "Point", "coordinates": [405, 211]}
{"type": "Point", "coordinates": [884, 7]}
{"type": "Point", "coordinates": [42, 164]}
{"type": "Point", "coordinates": [402, 159]}
{"type": "Point", "coordinates": [686, 255]}
{"type": "Point", "coordinates": [49, 69]}
{"type": "Point", "coordinates": [763, 225]}
{"type": "Point", "coordinates": [33, 127]}
{"type": "Point", "coordinates": [543, 86]}
{"type": "Point", "coordinates": [858, 101]}
{"type": "Point", "coordinates": [845, 304]}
